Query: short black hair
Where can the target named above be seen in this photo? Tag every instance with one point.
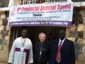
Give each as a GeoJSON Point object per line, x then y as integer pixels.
{"type": "Point", "coordinates": [62, 28]}
{"type": "Point", "coordinates": [25, 30]}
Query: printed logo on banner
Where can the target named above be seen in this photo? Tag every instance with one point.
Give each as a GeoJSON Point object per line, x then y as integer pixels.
{"type": "Point", "coordinates": [13, 11]}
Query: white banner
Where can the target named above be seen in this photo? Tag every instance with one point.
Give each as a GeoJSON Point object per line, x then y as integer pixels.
{"type": "Point", "coordinates": [46, 14]}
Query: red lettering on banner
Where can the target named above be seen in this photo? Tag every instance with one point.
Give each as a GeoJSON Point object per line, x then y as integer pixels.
{"type": "Point", "coordinates": [30, 8]}
{"type": "Point", "coordinates": [44, 8]}
{"type": "Point", "coordinates": [48, 8]}
{"type": "Point", "coordinates": [18, 9]}
{"type": "Point", "coordinates": [61, 7]}
{"type": "Point", "coordinates": [36, 8]}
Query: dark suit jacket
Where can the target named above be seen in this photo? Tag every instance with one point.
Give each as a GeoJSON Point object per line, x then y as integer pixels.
{"type": "Point", "coordinates": [67, 52]}
{"type": "Point", "coordinates": [45, 53]}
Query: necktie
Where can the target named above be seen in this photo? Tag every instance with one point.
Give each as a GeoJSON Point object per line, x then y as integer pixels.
{"type": "Point", "coordinates": [58, 55]}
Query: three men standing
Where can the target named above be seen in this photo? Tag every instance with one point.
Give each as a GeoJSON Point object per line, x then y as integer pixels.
{"type": "Point", "coordinates": [61, 50]}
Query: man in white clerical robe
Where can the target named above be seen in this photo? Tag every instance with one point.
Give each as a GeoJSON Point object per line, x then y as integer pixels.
{"type": "Point", "coordinates": [21, 52]}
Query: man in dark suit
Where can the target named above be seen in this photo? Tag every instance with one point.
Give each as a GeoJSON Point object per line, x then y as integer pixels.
{"type": "Point", "coordinates": [62, 50]}
{"type": "Point", "coordinates": [41, 50]}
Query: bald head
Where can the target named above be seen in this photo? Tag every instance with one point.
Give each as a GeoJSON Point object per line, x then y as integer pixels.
{"type": "Point", "coordinates": [42, 37]}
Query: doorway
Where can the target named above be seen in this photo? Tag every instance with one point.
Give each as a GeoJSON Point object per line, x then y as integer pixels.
{"type": "Point", "coordinates": [33, 31]}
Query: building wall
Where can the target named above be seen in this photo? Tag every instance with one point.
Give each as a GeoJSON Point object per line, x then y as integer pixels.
{"type": "Point", "coordinates": [4, 40]}
{"type": "Point", "coordinates": [76, 35]}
